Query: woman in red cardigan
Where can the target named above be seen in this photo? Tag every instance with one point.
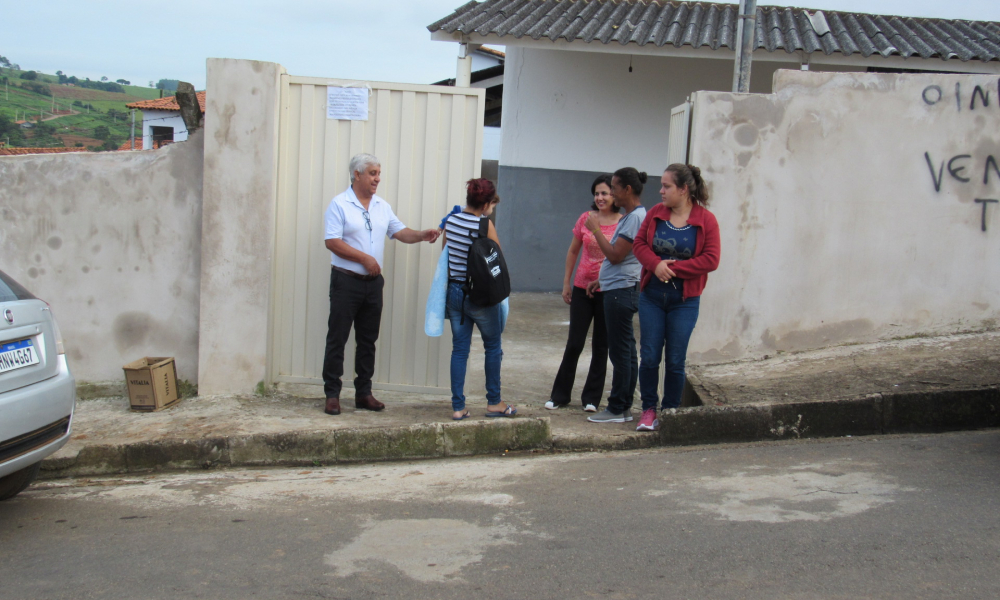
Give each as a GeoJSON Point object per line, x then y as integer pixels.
{"type": "Point", "coordinates": [678, 246]}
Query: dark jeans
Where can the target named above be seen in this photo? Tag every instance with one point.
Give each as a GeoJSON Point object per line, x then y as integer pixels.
{"type": "Point", "coordinates": [583, 310]}
{"type": "Point", "coordinates": [619, 307]}
{"type": "Point", "coordinates": [666, 320]}
{"type": "Point", "coordinates": [358, 304]}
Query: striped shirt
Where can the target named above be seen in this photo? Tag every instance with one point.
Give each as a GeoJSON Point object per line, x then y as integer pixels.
{"type": "Point", "coordinates": [460, 231]}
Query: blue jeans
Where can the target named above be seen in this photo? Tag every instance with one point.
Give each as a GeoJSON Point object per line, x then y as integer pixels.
{"type": "Point", "coordinates": [666, 320]}
{"type": "Point", "coordinates": [619, 308]}
{"type": "Point", "coordinates": [489, 321]}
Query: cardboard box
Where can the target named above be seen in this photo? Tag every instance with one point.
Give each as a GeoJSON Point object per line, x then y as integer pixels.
{"type": "Point", "coordinates": [152, 383]}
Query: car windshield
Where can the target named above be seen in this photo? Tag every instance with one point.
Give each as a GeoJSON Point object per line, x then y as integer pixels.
{"type": "Point", "coordinates": [11, 290]}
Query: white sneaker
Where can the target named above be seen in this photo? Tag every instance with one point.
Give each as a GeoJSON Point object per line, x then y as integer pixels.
{"type": "Point", "coordinates": [551, 405]}
{"type": "Point", "coordinates": [590, 408]}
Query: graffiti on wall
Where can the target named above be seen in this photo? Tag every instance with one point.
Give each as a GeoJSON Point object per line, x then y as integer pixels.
{"type": "Point", "coordinates": [964, 168]}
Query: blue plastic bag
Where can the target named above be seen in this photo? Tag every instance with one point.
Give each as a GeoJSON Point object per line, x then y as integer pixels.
{"type": "Point", "coordinates": [434, 316]}
{"type": "Point", "coordinates": [504, 309]}
{"type": "Point", "coordinates": [438, 297]}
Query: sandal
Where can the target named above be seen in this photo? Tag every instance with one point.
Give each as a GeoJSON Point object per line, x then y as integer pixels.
{"type": "Point", "coordinates": [465, 415]}
{"type": "Point", "coordinates": [510, 411]}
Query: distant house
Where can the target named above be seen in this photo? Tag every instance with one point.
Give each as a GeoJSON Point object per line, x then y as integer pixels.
{"type": "Point", "coordinates": [161, 122]}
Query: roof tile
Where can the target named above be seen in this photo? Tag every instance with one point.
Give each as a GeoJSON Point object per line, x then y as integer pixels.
{"type": "Point", "coordinates": [22, 151]}
{"type": "Point", "coordinates": [697, 24]}
{"type": "Point", "coordinates": [165, 103]}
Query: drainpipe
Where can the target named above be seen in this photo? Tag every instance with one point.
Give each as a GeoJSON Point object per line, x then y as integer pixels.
{"type": "Point", "coordinates": [463, 75]}
{"type": "Point", "coordinates": [746, 31]}
{"type": "Point", "coordinates": [132, 136]}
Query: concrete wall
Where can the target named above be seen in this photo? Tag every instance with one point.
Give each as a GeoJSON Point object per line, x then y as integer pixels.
{"type": "Point", "coordinates": [848, 208]}
{"type": "Point", "coordinates": [571, 115]}
{"type": "Point", "coordinates": [112, 241]}
{"type": "Point", "coordinates": [241, 153]}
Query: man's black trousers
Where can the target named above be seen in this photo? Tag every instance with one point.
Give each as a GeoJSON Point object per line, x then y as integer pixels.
{"type": "Point", "coordinates": [358, 304]}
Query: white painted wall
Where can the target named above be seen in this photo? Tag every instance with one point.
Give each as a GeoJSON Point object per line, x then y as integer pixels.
{"type": "Point", "coordinates": [584, 111]}
{"type": "Point", "coordinates": [162, 118]}
{"type": "Point", "coordinates": [492, 137]}
{"type": "Point", "coordinates": [833, 230]}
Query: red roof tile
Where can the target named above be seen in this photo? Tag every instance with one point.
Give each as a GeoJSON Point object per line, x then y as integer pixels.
{"type": "Point", "coordinates": [21, 151]}
{"type": "Point", "coordinates": [167, 103]}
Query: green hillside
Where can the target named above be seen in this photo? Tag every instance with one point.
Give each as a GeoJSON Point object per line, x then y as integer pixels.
{"type": "Point", "coordinates": [71, 115]}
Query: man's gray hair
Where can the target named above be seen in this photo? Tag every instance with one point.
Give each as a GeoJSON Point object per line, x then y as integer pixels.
{"type": "Point", "coordinates": [362, 161]}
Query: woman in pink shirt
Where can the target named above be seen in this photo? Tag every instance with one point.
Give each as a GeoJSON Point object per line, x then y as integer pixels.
{"type": "Point", "coordinates": [583, 308]}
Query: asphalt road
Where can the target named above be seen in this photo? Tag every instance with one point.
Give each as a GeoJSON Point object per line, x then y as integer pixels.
{"type": "Point", "coordinates": [888, 517]}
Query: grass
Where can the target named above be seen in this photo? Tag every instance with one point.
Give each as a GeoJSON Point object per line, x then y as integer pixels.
{"type": "Point", "coordinates": [19, 104]}
{"type": "Point", "coordinates": [16, 102]}
{"type": "Point", "coordinates": [135, 91]}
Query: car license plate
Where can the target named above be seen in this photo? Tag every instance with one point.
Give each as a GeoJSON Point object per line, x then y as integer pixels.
{"type": "Point", "coordinates": [14, 355]}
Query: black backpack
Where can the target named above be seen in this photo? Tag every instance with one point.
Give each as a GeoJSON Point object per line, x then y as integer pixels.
{"type": "Point", "coordinates": [487, 281]}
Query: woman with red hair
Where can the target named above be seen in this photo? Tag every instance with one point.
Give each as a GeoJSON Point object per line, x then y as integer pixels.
{"type": "Point", "coordinates": [460, 230]}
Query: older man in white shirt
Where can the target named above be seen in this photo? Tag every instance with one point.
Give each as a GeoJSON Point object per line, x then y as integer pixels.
{"type": "Point", "coordinates": [357, 224]}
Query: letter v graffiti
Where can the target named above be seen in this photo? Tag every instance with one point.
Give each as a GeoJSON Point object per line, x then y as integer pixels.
{"type": "Point", "coordinates": [940, 173]}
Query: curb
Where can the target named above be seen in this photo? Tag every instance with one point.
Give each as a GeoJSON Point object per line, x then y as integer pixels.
{"type": "Point", "coordinates": [594, 442]}
{"type": "Point", "coordinates": [875, 414]}
{"type": "Point", "coordinates": [897, 412]}
{"type": "Point", "coordinates": [308, 448]}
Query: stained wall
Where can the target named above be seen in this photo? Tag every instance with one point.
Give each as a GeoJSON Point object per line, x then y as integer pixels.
{"type": "Point", "coordinates": [112, 241]}
{"type": "Point", "coordinates": [853, 208]}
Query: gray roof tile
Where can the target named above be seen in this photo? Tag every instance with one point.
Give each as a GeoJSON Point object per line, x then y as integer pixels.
{"type": "Point", "coordinates": [698, 24]}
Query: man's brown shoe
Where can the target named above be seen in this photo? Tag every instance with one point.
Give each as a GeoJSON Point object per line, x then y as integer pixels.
{"type": "Point", "coordinates": [368, 403]}
{"type": "Point", "coordinates": [332, 406]}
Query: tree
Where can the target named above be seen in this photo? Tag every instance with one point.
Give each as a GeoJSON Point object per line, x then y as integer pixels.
{"type": "Point", "coordinates": [59, 72]}
{"type": "Point", "coordinates": [29, 75]}
{"type": "Point", "coordinates": [10, 130]}
{"type": "Point", "coordinates": [150, 84]}
{"type": "Point", "coordinates": [102, 132]}
{"type": "Point", "coordinates": [169, 85]}
{"type": "Point", "coordinates": [123, 81]}
{"type": "Point", "coordinates": [104, 77]}
{"type": "Point", "coordinates": [4, 62]}
{"type": "Point", "coordinates": [44, 129]}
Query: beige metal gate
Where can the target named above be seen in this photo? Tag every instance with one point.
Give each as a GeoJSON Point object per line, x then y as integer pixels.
{"type": "Point", "coordinates": [429, 139]}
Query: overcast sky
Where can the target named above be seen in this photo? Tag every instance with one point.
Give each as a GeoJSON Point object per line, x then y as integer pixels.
{"type": "Point", "coordinates": [379, 40]}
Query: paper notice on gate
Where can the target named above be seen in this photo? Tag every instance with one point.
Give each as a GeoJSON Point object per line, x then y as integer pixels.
{"type": "Point", "coordinates": [347, 103]}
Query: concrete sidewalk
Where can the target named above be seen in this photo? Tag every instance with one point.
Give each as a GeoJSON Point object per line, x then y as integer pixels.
{"type": "Point", "coordinates": [924, 384]}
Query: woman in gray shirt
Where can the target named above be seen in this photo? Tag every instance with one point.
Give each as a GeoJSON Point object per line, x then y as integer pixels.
{"type": "Point", "coordinates": [619, 281]}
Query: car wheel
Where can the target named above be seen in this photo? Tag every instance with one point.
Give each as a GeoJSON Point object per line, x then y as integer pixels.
{"type": "Point", "coordinates": [16, 482]}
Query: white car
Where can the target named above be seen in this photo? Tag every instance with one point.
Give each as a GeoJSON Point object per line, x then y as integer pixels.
{"type": "Point", "coordinates": [37, 390]}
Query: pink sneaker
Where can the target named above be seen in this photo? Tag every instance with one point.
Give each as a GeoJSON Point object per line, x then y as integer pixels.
{"type": "Point", "coordinates": [648, 422]}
